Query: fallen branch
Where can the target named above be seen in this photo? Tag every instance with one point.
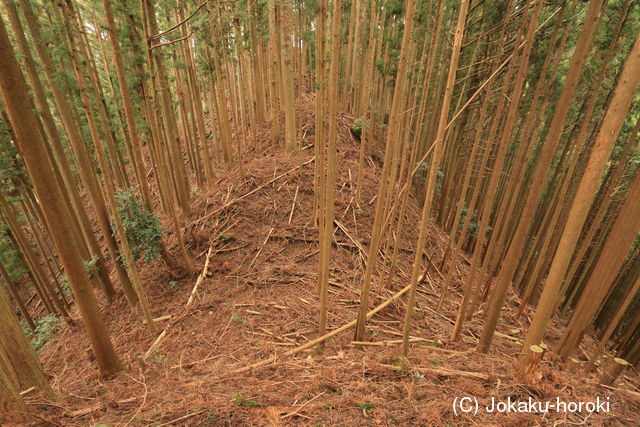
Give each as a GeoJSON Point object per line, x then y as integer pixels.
{"type": "Point", "coordinates": [87, 410]}
{"type": "Point", "coordinates": [236, 200]}
{"type": "Point", "coordinates": [302, 406]}
{"type": "Point", "coordinates": [509, 337]}
{"type": "Point", "coordinates": [97, 407]}
{"type": "Point", "coordinates": [324, 337]}
{"type": "Point", "coordinates": [363, 253]}
{"type": "Point", "coordinates": [159, 319]}
{"type": "Point", "coordinates": [27, 391]}
{"type": "Point", "coordinates": [199, 280]}
{"type": "Point", "coordinates": [261, 247]}
{"type": "Point", "coordinates": [217, 251]}
{"type": "Point", "coordinates": [334, 242]}
{"type": "Point", "coordinates": [195, 362]}
{"type": "Point", "coordinates": [437, 314]}
{"type": "Point", "coordinates": [293, 206]}
{"type": "Point", "coordinates": [184, 417]}
{"type": "Point", "coordinates": [155, 344]}
{"type": "Point", "coordinates": [443, 372]}
{"type": "Point", "coordinates": [634, 395]}
{"type": "Point", "coordinates": [144, 397]}
{"type": "Point", "coordinates": [386, 342]}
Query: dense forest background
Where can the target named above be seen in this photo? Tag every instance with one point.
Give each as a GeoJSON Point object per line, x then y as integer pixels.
{"type": "Point", "coordinates": [467, 169]}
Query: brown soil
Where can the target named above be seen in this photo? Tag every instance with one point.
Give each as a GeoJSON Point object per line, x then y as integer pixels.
{"type": "Point", "coordinates": [259, 300]}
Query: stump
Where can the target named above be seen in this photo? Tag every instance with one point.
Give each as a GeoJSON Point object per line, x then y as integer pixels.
{"type": "Point", "coordinates": [572, 365]}
{"type": "Point", "coordinates": [595, 364]}
{"type": "Point", "coordinates": [612, 370]}
{"type": "Point", "coordinates": [533, 360]}
{"type": "Point", "coordinates": [544, 348]}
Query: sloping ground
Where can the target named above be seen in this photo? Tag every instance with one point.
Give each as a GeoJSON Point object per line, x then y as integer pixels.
{"type": "Point", "coordinates": [258, 299]}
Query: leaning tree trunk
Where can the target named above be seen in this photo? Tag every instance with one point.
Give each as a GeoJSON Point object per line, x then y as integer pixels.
{"type": "Point", "coordinates": [543, 164]}
{"type": "Point", "coordinates": [13, 290]}
{"type": "Point", "coordinates": [385, 183]}
{"type": "Point", "coordinates": [433, 169]}
{"type": "Point", "coordinates": [136, 152]}
{"type": "Point", "coordinates": [26, 128]}
{"type": "Point", "coordinates": [10, 398]}
{"type": "Point", "coordinates": [607, 136]}
{"type": "Point", "coordinates": [21, 360]}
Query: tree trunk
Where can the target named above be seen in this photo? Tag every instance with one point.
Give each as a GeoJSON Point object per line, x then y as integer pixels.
{"type": "Point", "coordinates": [433, 171]}
{"type": "Point", "coordinates": [25, 126]}
{"type": "Point", "coordinates": [609, 130]}
{"type": "Point", "coordinates": [21, 360]}
{"type": "Point", "coordinates": [543, 163]}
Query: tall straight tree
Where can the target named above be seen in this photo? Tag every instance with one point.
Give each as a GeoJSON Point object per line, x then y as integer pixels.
{"type": "Point", "coordinates": [330, 160]}
{"type": "Point", "coordinates": [167, 116]}
{"type": "Point", "coordinates": [542, 166]}
{"type": "Point", "coordinates": [32, 145]}
{"type": "Point", "coordinates": [603, 276]}
{"type": "Point", "coordinates": [84, 161]}
{"type": "Point", "coordinates": [13, 290]}
{"type": "Point", "coordinates": [10, 398]}
{"type": "Point", "coordinates": [609, 130]}
{"type": "Point", "coordinates": [20, 360]}
{"type": "Point", "coordinates": [502, 144]}
{"type": "Point", "coordinates": [136, 152]}
{"type": "Point", "coordinates": [386, 181]}
{"type": "Point", "coordinates": [286, 29]}
{"type": "Point", "coordinates": [433, 169]}
{"type": "Point", "coordinates": [57, 148]}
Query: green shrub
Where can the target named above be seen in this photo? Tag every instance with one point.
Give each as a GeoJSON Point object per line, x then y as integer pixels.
{"type": "Point", "coordinates": [356, 127]}
{"type": "Point", "coordinates": [45, 329]}
{"type": "Point", "coordinates": [66, 287]}
{"type": "Point", "coordinates": [91, 266]}
{"type": "Point", "coordinates": [142, 227]}
{"type": "Point", "coordinates": [474, 225]}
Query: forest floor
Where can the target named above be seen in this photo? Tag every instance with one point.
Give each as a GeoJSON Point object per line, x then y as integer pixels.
{"type": "Point", "coordinates": [258, 299]}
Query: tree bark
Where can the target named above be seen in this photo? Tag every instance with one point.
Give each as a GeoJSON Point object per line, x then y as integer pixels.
{"type": "Point", "coordinates": [543, 164]}
{"type": "Point", "coordinates": [26, 128]}
{"type": "Point", "coordinates": [609, 131]}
